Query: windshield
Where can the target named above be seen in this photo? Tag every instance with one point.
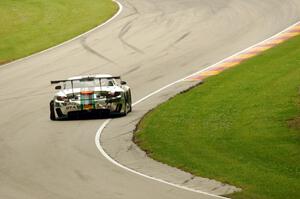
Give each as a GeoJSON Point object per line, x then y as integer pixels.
{"type": "Point", "coordinates": [89, 83]}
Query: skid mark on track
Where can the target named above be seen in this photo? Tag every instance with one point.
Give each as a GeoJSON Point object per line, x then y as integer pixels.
{"type": "Point", "coordinates": [182, 37]}
{"type": "Point", "coordinates": [94, 52]}
{"type": "Point", "coordinates": [155, 78]}
{"type": "Point", "coordinates": [132, 70]}
{"type": "Point", "coordinates": [123, 32]}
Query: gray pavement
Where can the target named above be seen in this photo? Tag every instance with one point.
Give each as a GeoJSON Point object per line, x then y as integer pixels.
{"type": "Point", "coordinates": [152, 43]}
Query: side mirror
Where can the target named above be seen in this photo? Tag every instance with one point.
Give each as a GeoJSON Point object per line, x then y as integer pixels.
{"type": "Point", "coordinates": [57, 87]}
{"type": "Point", "coordinates": [123, 83]}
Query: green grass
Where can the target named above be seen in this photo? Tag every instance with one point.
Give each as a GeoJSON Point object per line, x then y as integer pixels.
{"type": "Point", "coordinates": [29, 26]}
{"type": "Point", "coordinates": [240, 127]}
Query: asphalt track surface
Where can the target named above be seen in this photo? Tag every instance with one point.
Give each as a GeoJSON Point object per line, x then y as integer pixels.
{"type": "Point", "coordinates": [151, 44]}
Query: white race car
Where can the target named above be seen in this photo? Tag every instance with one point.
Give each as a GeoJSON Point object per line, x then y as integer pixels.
{"type": "Point", "coordinates": [90, 94]}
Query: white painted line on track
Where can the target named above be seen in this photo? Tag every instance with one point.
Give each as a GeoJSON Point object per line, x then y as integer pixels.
{"type": "Point", "coordinates": [100, 148]}
{"type": "Point", "coordinates": [100, 130]}
{"type": "Point", "coordinates": [68, 41]}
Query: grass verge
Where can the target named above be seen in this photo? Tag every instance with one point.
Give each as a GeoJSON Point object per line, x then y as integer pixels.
{"type": "Point", "coordinates": [29, 26]}
{"type": "Point", "coordinates": [241, 127]}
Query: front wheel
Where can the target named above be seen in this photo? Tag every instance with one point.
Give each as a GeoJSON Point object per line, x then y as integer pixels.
{"type": "Point", "coordinates": [129, 101]}
{"type": "Point", "coordinates": [52, 113]}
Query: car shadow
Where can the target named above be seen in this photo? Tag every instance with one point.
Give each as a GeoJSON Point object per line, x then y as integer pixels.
{"type": "Point", "coordinates": [92, 116]}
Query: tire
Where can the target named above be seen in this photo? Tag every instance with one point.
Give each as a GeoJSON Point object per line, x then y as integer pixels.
{"type": "Point", "coordinates": [125, 107]}
{"type": "Point", "coordinates": [127, 103]}
{"type": "Point", "coordinates": [52, 113]}
{"type": "Point", "coordinates": [129, 100]}
{"type": "Point", "coordinates": [124, 113]}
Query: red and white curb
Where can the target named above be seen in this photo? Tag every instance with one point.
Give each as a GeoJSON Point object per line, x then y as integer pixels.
{"type": "Point", "coordinates": [236, 59]}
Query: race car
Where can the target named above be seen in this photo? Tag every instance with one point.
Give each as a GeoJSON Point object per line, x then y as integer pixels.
{"type": "Point", "coordinates": [100, 93]}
